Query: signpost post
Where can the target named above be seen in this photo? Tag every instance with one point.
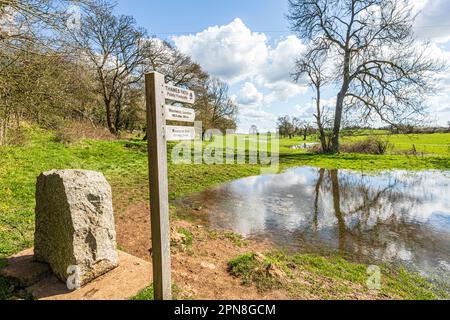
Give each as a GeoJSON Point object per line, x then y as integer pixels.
{"type": "Point", "coordinates": [157, 92]}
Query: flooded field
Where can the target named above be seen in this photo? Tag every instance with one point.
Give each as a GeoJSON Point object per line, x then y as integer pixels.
{"type": "Point", "coordinates": [394, 216]}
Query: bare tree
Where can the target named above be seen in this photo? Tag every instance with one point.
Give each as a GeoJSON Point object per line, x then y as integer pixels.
{"type": "Point", "coordinates": [35, 24]}
{"type": "Point", "coordinates": [381, 70]}
{"type": "Point", "coordinates": [114, 46]}
{"type": "Point", "coordinates": [215, 108]}
{"type": "Point", "coordinates": [178, 68]}
{"type": "Point", "coordinates": [313, 67]}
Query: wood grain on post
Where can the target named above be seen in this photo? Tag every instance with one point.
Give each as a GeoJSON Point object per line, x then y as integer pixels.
{"type": "Point", "coordinates": [159, 194]}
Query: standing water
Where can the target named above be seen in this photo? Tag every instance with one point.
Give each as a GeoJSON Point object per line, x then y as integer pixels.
{"type": "Point", "coordinates": [393, 216]}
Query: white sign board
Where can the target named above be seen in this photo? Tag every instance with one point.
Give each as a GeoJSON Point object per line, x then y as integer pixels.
{"type": "Point", "coordinates": [174, 113]}
{"type": "Point", "coordinates": [176, 133]}
{"type": "Point", "coordinates": [179, 94]}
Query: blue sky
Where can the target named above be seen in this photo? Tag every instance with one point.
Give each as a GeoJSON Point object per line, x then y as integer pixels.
{"type": "Point", "coordinates": [248, 44]}
{"type": "Point", "coordinates": [174, 16]}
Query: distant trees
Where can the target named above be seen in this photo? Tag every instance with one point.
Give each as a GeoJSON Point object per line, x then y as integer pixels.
{"type": "Point", "coordinates": [291, 127]}
{"type": "Point", "coordinates": [380, 69]}
{"type": "Point", "coordinates": [285, 127]}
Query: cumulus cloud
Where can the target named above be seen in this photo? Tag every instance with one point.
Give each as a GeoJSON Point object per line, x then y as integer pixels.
{"type": "Point", "coordinates": [256, 114]}
{"type": "Point", "coordinates": [281, 59]}
{"type": "Point", "coordinates": [232, 52]}
{"type": "Point", "coordinates": [265, 121]}
{"type": "Point", "coordinates": [249, 95]}
{"type": "Point", "coordinates": [283, 91]}
{"type": "Point", "coordinates": [259, 69]}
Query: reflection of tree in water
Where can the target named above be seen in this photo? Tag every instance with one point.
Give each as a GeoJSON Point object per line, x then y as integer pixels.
{"type": "Point", "coordinates": [385, 217]}
{"type": "Point", "coordinates": [370, 220]}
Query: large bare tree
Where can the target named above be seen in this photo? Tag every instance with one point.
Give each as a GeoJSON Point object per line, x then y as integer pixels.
{"type": "Point", "coordinates": [114, 46]}
{"type": "Point", "coordinates": [380, 69]}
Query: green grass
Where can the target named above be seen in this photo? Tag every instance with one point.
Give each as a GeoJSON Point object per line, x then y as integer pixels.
{"type": "Point", "coordinates": [148, 294]}
{"type": "Point", "coordinates": [124, 163]}
{"type": "Point", "coordinates": [328, 277]}
{"type": "Point", "coordinates": [188, 240]}
{"type": "Point", "coordinates": [437, 143]}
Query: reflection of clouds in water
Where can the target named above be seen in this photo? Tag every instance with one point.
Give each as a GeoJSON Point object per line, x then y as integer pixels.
{"type": "Point", "coordinates": [390, 216]}
{"type": "Point", "coordinates": [417, 197]}
{"type": "Point", "coordinates": [268, 182]}
{"type": "Point", "coordinates": [445, 265]}
{"type": "Point", "coordinates": [394, 252]}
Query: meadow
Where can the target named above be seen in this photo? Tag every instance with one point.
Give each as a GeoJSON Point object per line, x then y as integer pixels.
{"type": "Point", "coordinates": [124, 163]}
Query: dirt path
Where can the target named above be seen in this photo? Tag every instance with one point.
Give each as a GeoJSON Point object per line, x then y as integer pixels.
{"type": "Point", "coordinates": [200, 270]}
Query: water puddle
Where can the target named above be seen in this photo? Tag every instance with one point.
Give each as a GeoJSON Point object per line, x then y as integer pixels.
{"type": "Point", "coordinates": [393, 216]}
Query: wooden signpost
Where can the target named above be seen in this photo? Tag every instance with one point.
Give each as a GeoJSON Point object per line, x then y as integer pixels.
{"type": "Point", "coordinates": [157, 92]}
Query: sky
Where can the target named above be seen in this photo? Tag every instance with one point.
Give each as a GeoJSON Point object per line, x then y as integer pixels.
{"type": "Point", "coordinates": [249, 45]}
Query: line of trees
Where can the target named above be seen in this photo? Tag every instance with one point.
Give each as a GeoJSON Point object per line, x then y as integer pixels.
{"type": "Point", "coordinates": [57, 66]}
{"type": "Point", "coordinates": [290, 127]}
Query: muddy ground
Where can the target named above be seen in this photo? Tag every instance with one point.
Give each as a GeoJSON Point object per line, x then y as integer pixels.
{"type": "Point", "coordinates": [200, 269]}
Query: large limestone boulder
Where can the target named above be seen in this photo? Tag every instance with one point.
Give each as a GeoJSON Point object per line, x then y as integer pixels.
{"type": "Point", "coordinates": [75, 230]}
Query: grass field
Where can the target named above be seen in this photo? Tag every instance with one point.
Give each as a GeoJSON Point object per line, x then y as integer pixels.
{"type": "Point", "coordinates": [124, 163]}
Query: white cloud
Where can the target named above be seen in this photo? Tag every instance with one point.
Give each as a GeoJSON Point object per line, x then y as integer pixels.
{"type": "Point", "coordinates": [250, 113]}
{"type": "Point", "coordinates": [281, 59]}
{"type": "Point", "coordinates": [308, 110]}
{"type": "Point", "coordinates": [248, 116]}
{"type": "Point", "coordinates": [232, 52]}
{"type": "Point", "coordinates": [251, 103]}
{"type": "Point", "coordinates": [249, 95]}
{"type": "Point", "coordinates": [283, 91]}
{"type": "Point", "coordinates": [433, 19]}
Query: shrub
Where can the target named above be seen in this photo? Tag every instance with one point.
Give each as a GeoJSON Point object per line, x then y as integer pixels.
{"type": "Point", "coordinates": [63, 136]}
{"type": "Point", "coordinates": [71, 132]}
{"type": "Point", "coordinates": [372, 145]}
{"type": "Point", "coordinates": [18, 136]}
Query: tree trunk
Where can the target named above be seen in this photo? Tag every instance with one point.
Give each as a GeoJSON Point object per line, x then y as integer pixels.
{"type": "Point", "coordinates": [3, 131]}
{"type": "Point", "coordinates": [337, 208]}
{"type": "Point", "coordinates": [109, 121]}
{"type": "Point", "coordinates": [2, 142]}
{"type": "Point", "coordinates": [322, 137]}
{"type": "Point", "coordinates": [335, 143]}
